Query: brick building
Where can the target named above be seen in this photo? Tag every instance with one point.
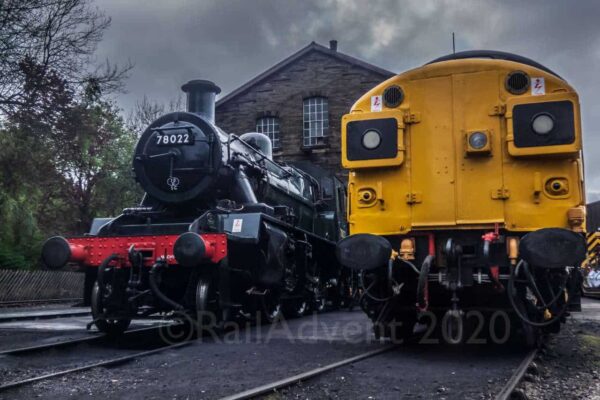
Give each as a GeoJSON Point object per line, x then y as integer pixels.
{"type": "Point", "coordinates": [299, 103]}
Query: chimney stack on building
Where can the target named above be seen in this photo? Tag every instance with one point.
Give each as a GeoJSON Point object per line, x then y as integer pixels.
{"type": "Point", "coordinates": [333, 45]}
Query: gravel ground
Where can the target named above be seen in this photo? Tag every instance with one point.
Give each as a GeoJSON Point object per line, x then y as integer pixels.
{"type": "Point", "coordinates": [35, 332]}
{"type": "Point", "coordinates": [198, 371]}
{"type": "Point", "coordinates": [257, 353]}
{"type": "Point", "coordinates": [214, 368]}
{"type": "Point", "coordinates": [569, 365]}
{"type": "Point", "coordinates": [12, 339]}
{"type": "Point", "coordinates": [27, 365]}
{"type": "Point", "coordinates": [421, 372]}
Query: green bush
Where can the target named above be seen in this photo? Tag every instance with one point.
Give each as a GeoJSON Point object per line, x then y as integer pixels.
{"type": "Point", "coordinates": [19, 233]}
{"type": "Point", "coordinates": [9, 259]}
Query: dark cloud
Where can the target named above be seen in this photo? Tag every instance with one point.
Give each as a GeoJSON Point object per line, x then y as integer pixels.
{"type": "Point", "coordinates": [231, 41]}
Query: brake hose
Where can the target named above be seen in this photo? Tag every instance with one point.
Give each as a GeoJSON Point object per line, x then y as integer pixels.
{"type": "Point", "coordinates": [511, 299]}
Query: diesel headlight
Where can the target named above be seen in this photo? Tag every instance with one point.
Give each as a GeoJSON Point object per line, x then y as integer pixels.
{"type": "Point", "coordinates": [371, 139]}
{"type": "Point", "coordinates": [550, 123]}
{"type": "Point", "coordinates": [542, 124]}
{"type": "Point", "coordinates": [478, 140]}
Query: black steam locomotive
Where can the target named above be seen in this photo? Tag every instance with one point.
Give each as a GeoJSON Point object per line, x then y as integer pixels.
{"type": "Point", "coordinates": [222, 229]}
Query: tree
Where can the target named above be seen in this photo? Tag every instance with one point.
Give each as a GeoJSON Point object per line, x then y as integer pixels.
{"type": "Point", "coordinates": [51, 35]}
{"type": "Point", "coordinates": [65, 158]}
{"type": "Point", "coordinates": [147, 110]}
{"type": "Point", "coordinates": [58, 173]}
{"type": "Point", "coordinates": [93, 150]}
{"type": "Point", "coordinates": [65, 153]}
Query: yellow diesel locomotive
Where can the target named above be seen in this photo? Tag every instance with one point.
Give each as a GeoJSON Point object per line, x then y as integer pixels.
{"type": "Point", "coordinates": [466, 192]}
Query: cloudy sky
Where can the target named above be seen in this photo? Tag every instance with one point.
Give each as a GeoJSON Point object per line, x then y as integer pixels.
{"type": "Point", "coordinates": [230, 41]}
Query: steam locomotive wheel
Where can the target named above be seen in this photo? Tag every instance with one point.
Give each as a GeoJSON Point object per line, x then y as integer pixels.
{"type": "Point", "coordinates": [319, 303]}
{"type": "Point", "coordinates": [296, 308]}
{"type": "Point", "coordinates": [109, 326]}
{"type": "Point", "coordinates": [207, 303]}
{"type": "Point", "coordinates": [271, 307]}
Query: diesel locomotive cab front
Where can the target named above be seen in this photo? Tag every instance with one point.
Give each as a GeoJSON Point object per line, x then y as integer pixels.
{"type": "Point", "coordinates": [470, 168]}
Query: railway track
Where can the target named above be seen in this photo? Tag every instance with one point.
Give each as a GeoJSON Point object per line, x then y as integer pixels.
{"type": "Point", "coordinates": [269, 387]}
{"type": "Point", "coordinates": [89, 365]}
{"type": "Point", "coordinates": [17, 303]}
{"type": "Point", "coordinates": [107, 359]}
{"type": "Point", "coordinates": [508, 391]}
{"type": "Point", "coordinates": [36, 315]}
{"type": "Point", "coordinates": [53, 345]}
{"type": "Point", "coordinates": [102, 363]}
{"type": "Point", "coordinates": [71, 342]}
{"type": "Point", "coordinates": [505, 393]}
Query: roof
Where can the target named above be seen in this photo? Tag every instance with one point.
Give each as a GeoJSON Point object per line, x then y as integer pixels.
{"type": "Point", "coordinates": [296, 56]}
{"type": "Point", "coordinates": [494, 55]}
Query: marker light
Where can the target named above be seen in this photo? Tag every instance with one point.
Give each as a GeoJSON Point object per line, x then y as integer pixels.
{"type": "Point", "coordinates": [478, 140]}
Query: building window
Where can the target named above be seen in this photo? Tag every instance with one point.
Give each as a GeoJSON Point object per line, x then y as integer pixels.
{"type": "Point", "coordinates": [316, 121]}
{"type": "Point", "coordinates": [270, 127]}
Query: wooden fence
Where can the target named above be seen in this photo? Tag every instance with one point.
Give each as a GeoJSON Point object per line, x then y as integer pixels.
{"type": "Point", "coordinates": [18, 285]}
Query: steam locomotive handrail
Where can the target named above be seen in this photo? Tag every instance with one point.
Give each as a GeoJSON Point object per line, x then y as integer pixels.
{"type": "Point", "coordinates": [254, 164]}
{"type": "Point", "coordinates": [188, 127]}
{"type": "Point", "coordinates": [285, 173]}
{"type": "Point", "coordinates": [234, 137]}
{"type": "Point", "coordinates": [311, 234]}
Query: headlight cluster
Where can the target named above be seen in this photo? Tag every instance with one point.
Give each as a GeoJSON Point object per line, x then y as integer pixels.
{"type": "Point", "coordinates": [372, 139]}
{"type": "Point", "coordinates": [547, 123]}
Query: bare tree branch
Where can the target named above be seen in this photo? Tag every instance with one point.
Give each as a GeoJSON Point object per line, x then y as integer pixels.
{"type": "Point", "coordinates": [147, 110]}
{"type": "Point", "coordinates": [56, 35]}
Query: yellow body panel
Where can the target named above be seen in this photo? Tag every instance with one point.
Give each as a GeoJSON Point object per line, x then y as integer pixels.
{"type": "Point", "coordinates": [436, 182]}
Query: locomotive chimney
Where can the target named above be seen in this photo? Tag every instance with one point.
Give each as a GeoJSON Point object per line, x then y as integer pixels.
{"type": "Point", "coordinates": [201, 97]}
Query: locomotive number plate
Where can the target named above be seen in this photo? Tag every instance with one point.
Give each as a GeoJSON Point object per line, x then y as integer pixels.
{"type": "Point", "coordinates": [173, 139]}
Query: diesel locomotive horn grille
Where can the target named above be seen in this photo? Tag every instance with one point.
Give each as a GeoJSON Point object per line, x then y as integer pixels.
{"type": "Point", "coordinates": [517, 82]}
{"type": "Point", "coordinates": [393, 96]}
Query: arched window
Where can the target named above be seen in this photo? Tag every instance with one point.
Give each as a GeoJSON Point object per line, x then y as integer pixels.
{"type": "Point", "coordinates": [316, 121]}
{"type": "Point", "coordinates": [270, 127]}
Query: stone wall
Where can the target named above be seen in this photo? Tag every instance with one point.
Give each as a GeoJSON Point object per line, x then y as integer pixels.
{"type": "Point", "coordinates": [282, 95]}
